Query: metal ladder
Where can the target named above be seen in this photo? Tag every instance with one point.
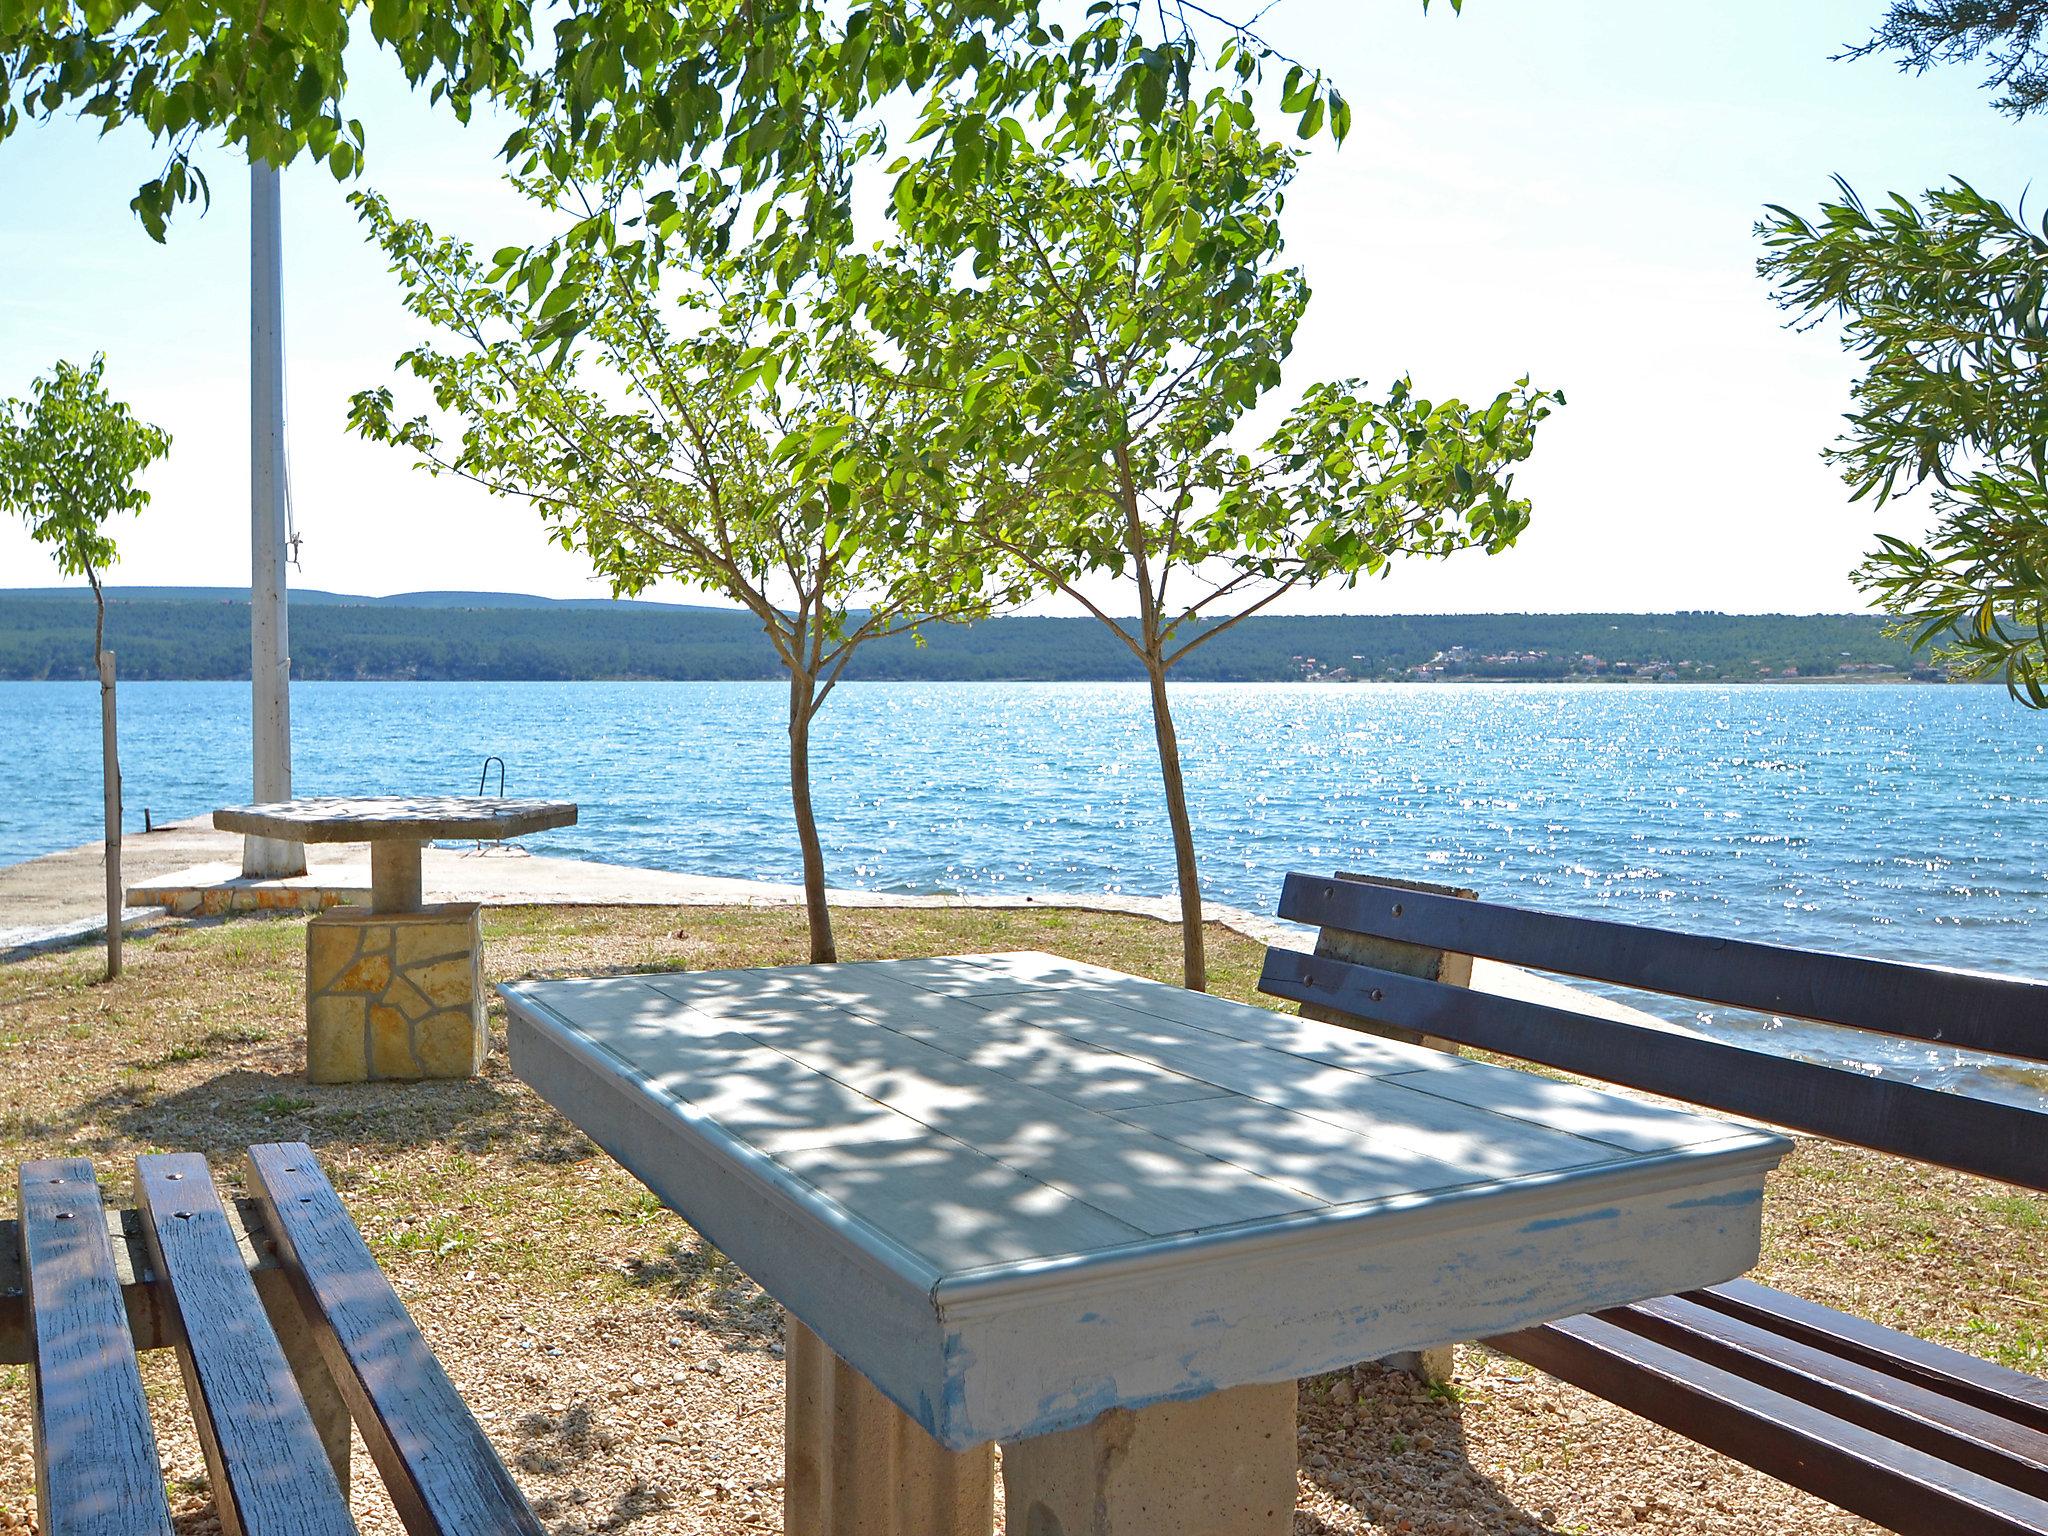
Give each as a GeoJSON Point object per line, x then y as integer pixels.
{"type": "Point", "coordinates": [483, 779]}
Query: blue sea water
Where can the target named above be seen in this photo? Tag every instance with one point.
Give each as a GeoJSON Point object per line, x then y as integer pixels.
{"type": "Point", "coordinates": [1909, 822]}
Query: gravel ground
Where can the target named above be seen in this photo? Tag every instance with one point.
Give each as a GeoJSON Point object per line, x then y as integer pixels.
{"type": "Point", "coordinates": [632, 1376]}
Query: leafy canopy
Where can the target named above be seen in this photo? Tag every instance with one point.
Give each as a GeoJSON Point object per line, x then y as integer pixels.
{"type": "Point", "coordinates": [758, 95]}
{"type": "Point", "coordinates": [1946, 303]}
{"type": "Point", "coordinates": [2011, 36]}
{"type": "Point", "coordinates": [1127, 309]}
{"type": "Point", "coordinates": [70, 455]}
{"type": "Point", "coordinates": [717, 429]}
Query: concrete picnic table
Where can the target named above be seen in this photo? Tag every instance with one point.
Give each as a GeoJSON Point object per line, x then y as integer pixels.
{"type": "Point", "coordinates": [1108, 1223]}
{"type": "Point", "coordinates": [397, 828]}
{"type": "Point", "coordinates": [395, 989]}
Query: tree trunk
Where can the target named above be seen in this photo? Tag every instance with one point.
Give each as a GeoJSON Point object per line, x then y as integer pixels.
{"type": "Point", "coordinates": [1194, 959]}
{"type": "Point", "coordinates": [824, 950]}
{"type": "Point", "coordinates": [110, 778]}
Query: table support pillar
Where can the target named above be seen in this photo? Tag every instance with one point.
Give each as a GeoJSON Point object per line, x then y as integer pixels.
{"type": "Point", "coordinates": [854, 1464]}
{"type": "Point", "coordinates": [1221, 1465]}
{"type": "Point", "coordinates": [396, 884]}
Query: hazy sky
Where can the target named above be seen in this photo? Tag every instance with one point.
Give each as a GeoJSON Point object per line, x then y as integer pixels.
{"type": "Point", "coordinates": [1565, 189]}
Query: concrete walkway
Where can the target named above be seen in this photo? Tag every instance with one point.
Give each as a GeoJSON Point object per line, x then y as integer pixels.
{"type": "Point", "coordinates": [56, 900]}
{"type": "Point", "coordinates": [68, 887]}
{"type": "Point", "coordinates": [65, 888]}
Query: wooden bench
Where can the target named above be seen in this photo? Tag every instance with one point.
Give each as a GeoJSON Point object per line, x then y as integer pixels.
{"type": "Point", "coordinates": [286, 1331]}
{"type": "Point", "coordinates": [1924, 1440]}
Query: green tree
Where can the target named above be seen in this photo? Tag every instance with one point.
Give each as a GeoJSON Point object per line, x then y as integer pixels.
{"type": "Point", "coordinates": [1946, 304]}
{"type": "Point", "coordinates": [1127, 309]}
{"type": "Point", "coordinates": [713, 428]}
{"type": "Point", "coordinates": [69, 458]}
{"type": "Point", "coordinates": [1944, 300]}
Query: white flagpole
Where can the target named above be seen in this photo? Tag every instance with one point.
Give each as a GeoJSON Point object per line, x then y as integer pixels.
{"type": "Point", "coordinates": [269, 630]}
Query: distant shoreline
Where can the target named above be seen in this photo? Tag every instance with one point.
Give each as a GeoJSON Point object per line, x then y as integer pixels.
{"type": "Point", "coordinates": [163, 636]}
{"type": "Point", "coordinates": [1843, 680]}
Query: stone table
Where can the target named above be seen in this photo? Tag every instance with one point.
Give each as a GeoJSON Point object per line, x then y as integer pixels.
{"type": "Point", "coordinates": [395, 989]}
{"type": "Point", "coordinates": [1107, 1223]}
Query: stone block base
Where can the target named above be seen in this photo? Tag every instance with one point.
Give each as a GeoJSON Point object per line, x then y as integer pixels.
{"type": "Point", "coordinates": [217, 890]}
{"type": "Point", "coordinates": [395, 995]}
{"type": "Point", "coordinates": [854, 1464]}
{"type": "Point", "coordinates": [1221, 1465]}
{"type": "Point", "coordinates": [1435, 1366]}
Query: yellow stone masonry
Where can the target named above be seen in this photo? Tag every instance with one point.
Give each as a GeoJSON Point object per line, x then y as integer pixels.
{"type": "Point", "coordinates": [220, 900]}
{"type": "Point", "coordinates": [395, 994]}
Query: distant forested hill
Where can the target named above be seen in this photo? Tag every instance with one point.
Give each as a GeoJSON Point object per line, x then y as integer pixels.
{"type": "Point", "coordinates": [204, 633]}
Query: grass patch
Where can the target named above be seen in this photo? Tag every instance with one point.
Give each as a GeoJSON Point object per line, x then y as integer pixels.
{"type": "Point", "coordinates": [241, 1036]}
{"type": "Point", "coordinates": [439, 1236]}
{"type": "Point", "coordinates": [283, 1104]}
{"type": "Point", "coordinates": [2023, 1213]}
{"type": "Point", "coordinates": [2021, 1345]}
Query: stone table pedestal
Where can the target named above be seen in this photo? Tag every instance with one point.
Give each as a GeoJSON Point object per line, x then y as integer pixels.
{"type": "Point", "coordinates": [395, 994]}
{"type": "Point", "coordinates": [1220, 1465]}
{"type": "Point", "coordinates": [854, 1464]}
{"type": "Point", "coordinates": [395, 989]}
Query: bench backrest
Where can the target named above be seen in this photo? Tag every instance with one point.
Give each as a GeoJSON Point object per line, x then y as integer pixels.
{"type": "Point", "coordinates": [1950, 1008]}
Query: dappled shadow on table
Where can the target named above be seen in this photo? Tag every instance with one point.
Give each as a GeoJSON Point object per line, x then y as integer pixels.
{"type": "Point", "coordinates": [980, 1118]}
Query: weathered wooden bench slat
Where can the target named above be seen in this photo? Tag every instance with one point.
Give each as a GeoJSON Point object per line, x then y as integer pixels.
{"type": "Point", "coordinates": [441, 1471]}
{"type": "Point", "coordinates": [1984, 1383]}
{"type": "Point", "coordinates": [1919, 1437]}
{"type": "Point", "coordinates": [131, 1268]}
{"type": "Point", "coordinates": [267, 1463]}
{"type": "Point", "coordinates": [1969, 1012]}
{"type": "Point", "coordinates": [1999, 1141]}
{"type": "Point", "coordinates": [97, 1472]}
{"type": "Point", "coordinates": [1906, 1490]}
{"type": "Point", "coordinates": [1900, 1410]}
